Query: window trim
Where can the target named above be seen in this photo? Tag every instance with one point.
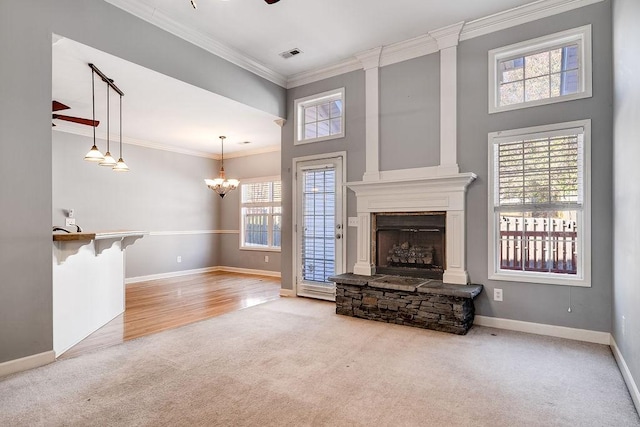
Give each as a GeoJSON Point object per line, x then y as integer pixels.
{"type": "Point", "coordinates": [583, 276]}
{"type": "Point", "coordinates": [582, 35]}
{"type": "Point", "coordinates": [241, 234]}
{"type": "Point", "coordinates": [308, 101]}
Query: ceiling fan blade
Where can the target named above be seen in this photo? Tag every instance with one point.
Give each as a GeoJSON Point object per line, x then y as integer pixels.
{"type": "Point", "coordinates": [79, 120]}
{"type": "Point", "coordinates": [57, 106]}
{"type": "Point", "coordinates": [272, 1]}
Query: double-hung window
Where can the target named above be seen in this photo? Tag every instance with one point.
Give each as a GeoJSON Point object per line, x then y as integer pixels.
{"type": "Point", "coordinates": [319, 117]}
{"type": "Point", "coordinates": [545, 70]}
{"type": "Point", "coordinates": [261, 214]}
{"type": "Point", "coordinates": [539, 215]}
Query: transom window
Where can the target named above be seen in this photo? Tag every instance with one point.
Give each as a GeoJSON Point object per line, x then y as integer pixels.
{"type": "Point", "coordinates": [261, 210]}
{"type": "Point", "coordinates": [320, 117]}
{"type": "Point", "coordinates": [539, 220]}
{"type": "Point", "coordinates": [549, 69]}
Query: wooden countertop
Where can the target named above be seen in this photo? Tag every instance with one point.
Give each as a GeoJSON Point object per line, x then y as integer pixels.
{"type": "Point", "coordinates": [68, 237]}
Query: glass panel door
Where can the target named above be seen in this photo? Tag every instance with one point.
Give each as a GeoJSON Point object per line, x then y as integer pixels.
{"type": "Point", "coordinates": [319, 226]}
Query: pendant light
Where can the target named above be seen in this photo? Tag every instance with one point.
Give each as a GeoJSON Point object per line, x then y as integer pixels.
{"type": "Point", "coordinates": [108, 159]}
{"type": "Point", "coordinates": [221, 184]}
{"type": "Point", "coordinates": [94, 155]}
{"type": "Point", "coordinates": [121, 166]}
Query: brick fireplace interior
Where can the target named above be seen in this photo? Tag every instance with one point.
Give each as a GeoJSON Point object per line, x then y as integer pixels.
{"type": "Point", "coordinates": [409, 244]}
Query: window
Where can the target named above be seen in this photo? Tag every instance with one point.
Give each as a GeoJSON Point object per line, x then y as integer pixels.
{"type": "Point", "coordinates": [539, 219]}
{"type": "Point", "coordinates": [320, 117]}
{"type": "Point", "coordinates": [545, 70]}
{"type": "Point", "coordinates": [261, 210]}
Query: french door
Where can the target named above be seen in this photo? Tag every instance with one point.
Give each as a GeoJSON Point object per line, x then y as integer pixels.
{"type": "Point", "coordinates": [318, 228]}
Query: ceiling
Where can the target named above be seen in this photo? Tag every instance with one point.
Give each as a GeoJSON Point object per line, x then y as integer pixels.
{"type": "Point", "coordinates": [184, 118]}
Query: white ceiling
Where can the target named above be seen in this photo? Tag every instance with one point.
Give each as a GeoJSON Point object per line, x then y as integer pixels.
{"type": "Point", "coordinates": [163, 112]}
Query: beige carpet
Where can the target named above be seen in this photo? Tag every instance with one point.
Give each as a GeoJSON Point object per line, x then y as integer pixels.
{"type": "Point", "coordinates": [293, 362]}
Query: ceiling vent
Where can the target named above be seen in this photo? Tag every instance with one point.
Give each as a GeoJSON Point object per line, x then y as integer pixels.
{"type": "Point", "coordinates": [289, 53]}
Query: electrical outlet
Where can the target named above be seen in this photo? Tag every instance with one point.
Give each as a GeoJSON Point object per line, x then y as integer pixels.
{"type": "Point", "coordinates": [266, 258]}
{"type": "Point", "coordinates": [69, 221]}
{"type": "Point", "coordinates": [179, 259]}
{"type": "Point", "coordinates": [497, 294]}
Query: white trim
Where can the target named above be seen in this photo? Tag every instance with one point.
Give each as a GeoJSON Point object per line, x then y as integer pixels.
{"type": "Point", "coordinates": [520, 15]}
{"type": "Point", "coordinates": [159, 19]}
{"type": "Point", "coordinates": [287, 293]}
{"type": "Point", "coordinates": [251, 271]}
{"type": "Point", "coordinates": [191, 232]}
{"type": "Point", "coordinates": [371, 62]}
{"type": "Point", "coordinates": [583, 279]}
{"type": "Point", "coordinates": [172, 274]}
{"type": "Point", "coordinates": [581, 35]}
{"type": "Point", "coordinates": [299, 106]}
{"type": "Point", "coordinates": [270, 248]}
{"type": "Point", "coordinates": [426, 44]}
{"type": "Point", "coordinates": [585, 335]}
{"type": "Point", "coordinates": [294, 211]}
{"type": "Point", "coordinates": [25, 363]}
{"type": "Point", "coordinates": [169, 275]}
{"type": "Point", "coordinates": [82, 131]}
{"type": "Point", "coordinates": [626, 373]}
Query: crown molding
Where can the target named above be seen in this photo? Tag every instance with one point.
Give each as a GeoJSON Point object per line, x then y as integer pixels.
{"type": "Point", "coordinates": [370, 58]}
{"type": "Point", "coordinates": [447, 36]}
{"type": "Point", "coordinates": [161, 20]}
{"type": "Point", "coordinates": [443, 37]}
{"type": "Point", "coordinates": [74, 130]}
{"type": "Point", "coordinates": [408, 49]}
{"type": "Point", "coordinates": [520, 15]}
{"type": "Point", "coordinates": [343, 67]}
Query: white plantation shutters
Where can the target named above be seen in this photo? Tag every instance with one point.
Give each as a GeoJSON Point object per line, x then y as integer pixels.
{"type": "Point", "coordinates": [261, 206]}
{"type": "Point", "coordinates": [539, 203]}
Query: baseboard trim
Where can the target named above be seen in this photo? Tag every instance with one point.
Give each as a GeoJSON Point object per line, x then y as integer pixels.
{"type": "Point", "coordinates": [287, 293]}
{"type": "Point", "coordinates": [169, 275]}
{"type": "Point", "coordinates": [626, 374]}
{"type": "Point", "coordinates": [172, 274]}
{"type": "Point", "coordinates": [543, 329]}
{"type": "Point", "coordinates": [25, 363]}
{"type": "Point", "coordinates": [248, 271]}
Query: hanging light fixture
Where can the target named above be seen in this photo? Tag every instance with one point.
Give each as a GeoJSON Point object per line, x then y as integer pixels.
{"type": "Point", "coordinates": [94, 155]}
{"type": "Point", "coordinates": [221, 184]}
{"type": "Point", "coordinates": [121, 166]}
{"type": "Point", "coordinates": [108, 159]}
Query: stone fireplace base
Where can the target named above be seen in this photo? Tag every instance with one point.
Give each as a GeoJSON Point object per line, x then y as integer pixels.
{"type": "Point", "coordinates": [422, 303]}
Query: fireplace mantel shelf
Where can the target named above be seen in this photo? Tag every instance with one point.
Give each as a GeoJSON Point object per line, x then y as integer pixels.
{"type": "Point", "coordinates": [458, 181]}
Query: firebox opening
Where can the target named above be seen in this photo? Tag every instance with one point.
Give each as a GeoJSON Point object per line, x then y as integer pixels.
{"type": "Point", "coordinates": [409, 244]}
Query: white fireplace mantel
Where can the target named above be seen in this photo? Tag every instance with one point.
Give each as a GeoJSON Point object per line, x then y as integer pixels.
{"type": "Point", "coordinates": [420, 194]}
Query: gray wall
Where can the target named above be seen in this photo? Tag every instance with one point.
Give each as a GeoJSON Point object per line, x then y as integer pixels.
{"type": "Point", "coordinates": [626, 112]}
{"type": "Point", "coordinates": [410, 113]}
{"type": "Point", "coordinates": [591, 307]}
{"type": "Point", "coordinates": [230, 255]}
{"type": "Point", "coordinates": [25, 136]}
{"type": "Point", "coordinates": [163, 192]}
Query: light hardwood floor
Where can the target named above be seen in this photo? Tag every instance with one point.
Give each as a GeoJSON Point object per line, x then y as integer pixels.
{"type": "Point", "coordinates": [158, 305]}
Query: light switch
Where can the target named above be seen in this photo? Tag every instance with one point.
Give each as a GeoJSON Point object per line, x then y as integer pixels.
{"type": "Point", "coordinates": [353, 221]}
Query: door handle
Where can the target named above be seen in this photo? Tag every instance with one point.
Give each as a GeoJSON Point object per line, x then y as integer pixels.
{"type": "Point", "coordinates": [338, 236]}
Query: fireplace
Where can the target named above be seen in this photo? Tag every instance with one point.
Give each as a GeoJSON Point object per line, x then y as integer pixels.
{"type": "Point", "coordinates": [433, 202]}
{"type": "Point", "coordinates": [409, 244]}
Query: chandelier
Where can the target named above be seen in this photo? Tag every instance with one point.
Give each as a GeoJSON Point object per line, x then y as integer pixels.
{"type": "Point", "coordinates": [221, 184]}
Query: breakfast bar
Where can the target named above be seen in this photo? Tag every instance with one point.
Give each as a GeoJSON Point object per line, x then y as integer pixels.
{"type": "Point", "coordinates": [88, 283]}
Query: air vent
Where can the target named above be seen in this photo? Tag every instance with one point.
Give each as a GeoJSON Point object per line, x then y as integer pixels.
{"type": "Point", "coordinates": [289, 53]}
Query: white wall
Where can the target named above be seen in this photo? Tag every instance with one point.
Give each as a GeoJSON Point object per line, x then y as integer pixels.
{"type": "Point", "coordinates": [626, 117]}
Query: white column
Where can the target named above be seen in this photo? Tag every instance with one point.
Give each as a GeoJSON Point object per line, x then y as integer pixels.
{"type": "Point", "coordinates": [456, 271]}
{"type": "Point", "coordinates": [371, 63]}
{"type": "Point", "coordinates": [363, 264]}
{"type": "Point", "coordinates": [447, 39]}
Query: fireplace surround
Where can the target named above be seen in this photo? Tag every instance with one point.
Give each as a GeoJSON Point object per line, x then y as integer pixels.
{"type": "Point", "coordinates": [407, 194]}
